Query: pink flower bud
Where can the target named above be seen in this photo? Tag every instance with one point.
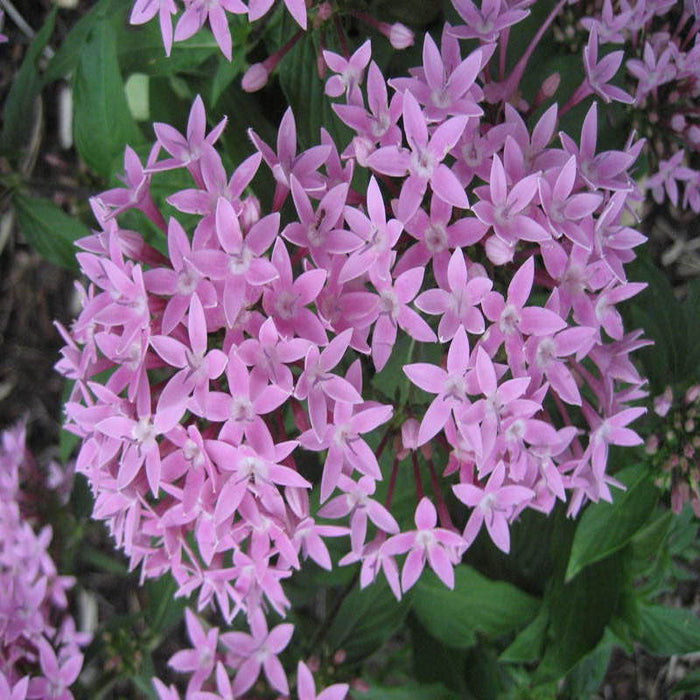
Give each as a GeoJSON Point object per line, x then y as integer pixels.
{"type": "Point", "coordinates": [498, 252]}
{"type": "Point", "coordinates": [250, 212]}
{"type": "Point", "coordinates": [400, 36]}
{"type": "Point", "coordinates": [255, 78]}
{"type": "Point", "coordinates": [551, 85]}
{"type": "Point", "coordinates": [324, 11]}
{"type": "Point", "coordinates": [678, 122]}
{"type": "Point", "coordinates": [662, 403]}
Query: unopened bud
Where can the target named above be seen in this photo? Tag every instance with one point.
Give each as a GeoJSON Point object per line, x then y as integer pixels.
{"type": "Point", "coordinates": [499, 252]}
{"type": "Point", "coordinates": [662, 403]}
{"type": "Point", "coordinates": [692, 394]}
{"type": "Point", "coordinates": [678, 122]}
{"type": "Point", "coordinates": [339, 657]}
{"type": "Point", "coordinates": [651, 445]}
{"type": "Point", "coordinates": [324, 11]}
{"type": "Point", "coordinates": [551, 85]}
{"type": "Point", "coordinates": [255, 78]}
{"type": "Point", "coordinates": [250, 212]}
{"type": "Point", "coordinates": [400, 36]}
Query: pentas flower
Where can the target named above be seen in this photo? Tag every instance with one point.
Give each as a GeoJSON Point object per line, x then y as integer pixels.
{"type": "Point", "coordinates": [457, 307]}
{"type": "Point", "coordinates": [423, 163]}
{"type": "Point", "coordinates": [449, 385]}
{"type": "Point", "coordinates": [599, 74]}
{"type": "Point", "coordinates": [198, 12]}
{"type": "Point", "coordinates": [493, 505]}
{"type": "Point", "coordinates": [344, 444]}
{"type": "Point", "coordinates": [356, 503]}
{"type": "Point", "coordinates": [296, 8]}
{"type": "Point", "coordinates": [145, 10]}
{"type": "Point", "coordinates": [194, 407]}
{"type": "Point", "coordinates": [252, 653]}
{"type": "Point", "coordinates": [504, 209]}
{"type": "Point", "coordinates": [378, 123]}
{"type": "Point", "coordinates": [320, 231]}
{"type": "Point", "coordinates": [40, 644]}
{"type": "Point", "coordinates": [187, 150]}
{"type": "Point", "coordinates": [306, 689]}
{"type": "Point", "coordinates": [198, 661]}
{"type": "Point", "coordinates": [349, 73]}
{"type": "Point", "coordinates": [487, 22]}
{"type": "Point", "coordinates": [393, 312]}
{"type": "Point", "coordinates": [436, 236]}
{"type": "Point", "coordinates": [444, 90]}
{"type": "Point", "coordinates": [429, 544]}
{"type": "Point", "coordinates": [286, 162]}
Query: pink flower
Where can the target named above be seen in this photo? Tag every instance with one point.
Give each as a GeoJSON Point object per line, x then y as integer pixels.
{"type": "Point", "coordinates": [423, 163]}
{"type": "Point", "coordinates": [197, 12]}
{"type": "Point", "coordinates": [493, 504]}
{"type": "Point", "coordinates": [258, 651]}
{"type": "Point", "coordinates": [438, 547]}
{"type": "Point", "coordinates": [349, 73]}
{"type": "Point", "coordinates": [306, 690]}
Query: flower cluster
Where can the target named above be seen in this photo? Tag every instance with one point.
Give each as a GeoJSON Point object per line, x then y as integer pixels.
{"type": "Point", "coordinates": [665, 74]}
{"type": "Point", "coordinates": [203, 370]}
{"type": "Point", "coordinates": [40, 653]}
{"type": "Point", "coordinates": [215, 13]}
{"type": "Point", "coordinates": [674, 448]}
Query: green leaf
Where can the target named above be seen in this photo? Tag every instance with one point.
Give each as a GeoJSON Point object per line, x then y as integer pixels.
{"type": "Point", "coordinates": [435, 662]}
{"type": "Point", "coordinates": [225, 74]}
{"type": "Point", "coordinates": [67, 55]}
{"type": "Point", "coordinates": [527, 646]}
{"type": "Point", "coordinates": [392, 380]}
{"type": "Point", "coordinates": [588, 674]}
{"type": "Point", "coordinates": [164, 609]}
{"type": "Point", "coordinates": [579, 612]}
{"type": "Point", "coordinates": [689, 684]}
{"type": "Point", "coordinates": [140, 49]}
{"type": "Point", "coordinates": [606, 527]}
{"type": "Point", "coordinates": [305, 93]}
{"type": "Point", "coordinates": [408, 691]}
{"type": "Point", "coordinates": [48, 229]}
{"type": "Point", "coordinates": [669, 631]}
{"type": "Point", "coordinates": [103, 125]}
{"type": "Point", "coordinates": [26, 85]}
{"type": "Point", "coordinates": [476, 604]}
{"type": "Point", "coordinates": [365, 620]}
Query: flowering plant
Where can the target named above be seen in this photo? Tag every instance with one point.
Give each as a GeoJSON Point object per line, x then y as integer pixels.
{"type": "Point", "coordinates": [390, 328]}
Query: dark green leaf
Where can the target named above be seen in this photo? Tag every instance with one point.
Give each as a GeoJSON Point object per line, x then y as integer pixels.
{"type": "Point", "coordinates": [408, 691]}
{"type": "Point", "coordinates": [527, 646]}
{"type": "Point", "coordinates": [26, 86]}
{"type": "Point", "coordinates": [435, 662]}
{"type": "Point", "coordinates": [305, 93]}
{"type": "Point", "coordinates": [476, 604]}
{"type": "Point", "coordinates": [140, 50]}
{"type": "Point", "coordinates": [606, 527]}
{"type": "Point", "coordinates": [392, 380]}
{"type": "Point", "coordinates": [689, 684]}
{"type": "Point", "coordinates": [225, 74]}
{"type": "Point", "coordinates": [48, 229]}
{"type": "Point", "coordinates": [365, 620]}
{"type": "Point", "coordinates": [669, 631]}
{"type": "Point", "coordinates": [67, 55]}
{"type": "Point", "coordinates": [103, 125]}
{"type": "Point", "coordinates": [579, 612]}
{"type": "Point", "coordinates": [588, 674]}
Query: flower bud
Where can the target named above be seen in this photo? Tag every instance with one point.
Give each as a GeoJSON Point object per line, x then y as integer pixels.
{"type": "Point", "coordinates": [662, 403]}
{"type": "Point", "coordinates": [400, 36]}
{"type": "Point", "coordinates": [255, 78]}
{"type": "Point", "coordinates": [551, 85]}
{"type": "Point", "coordinates": [498, 252]}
